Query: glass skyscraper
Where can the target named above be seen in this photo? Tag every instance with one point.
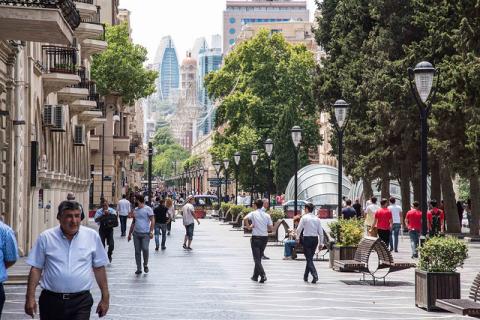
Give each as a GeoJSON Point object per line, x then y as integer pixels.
{"type": "Point", "coordinates": [166, 63]}
{"type": "Point", "coordinates": [209, 59]}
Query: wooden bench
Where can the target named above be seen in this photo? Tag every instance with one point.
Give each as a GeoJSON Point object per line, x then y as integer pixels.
{"type": "Point", "coordinates": [273, 236]}
{"type": "Point", "coordinates": [228, 217]}
{"type": "Point", "coordinates": [361, 263]}
{"type": "Point", "coordinates": [237, 223]}
{"type": "Point", "coordinates": [326, 244]}
{"type": "Point", "coordinates": [465, 307]}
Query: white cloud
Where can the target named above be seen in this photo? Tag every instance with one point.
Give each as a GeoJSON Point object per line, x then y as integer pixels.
{"type": "Point", "coordinates": [184, 20]}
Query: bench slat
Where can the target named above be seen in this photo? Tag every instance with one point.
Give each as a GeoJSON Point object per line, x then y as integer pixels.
{"type": "Point", "coordinates": [459, 306]}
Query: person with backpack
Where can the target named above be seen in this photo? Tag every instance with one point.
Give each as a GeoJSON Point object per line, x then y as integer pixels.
{"type": "Point", "coordinates": [107, 219]}
{"type": "Point", "coordinates": [435, 219]}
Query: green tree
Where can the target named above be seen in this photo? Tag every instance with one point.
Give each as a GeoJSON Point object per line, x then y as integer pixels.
{"type": "Point", "coordinates": [119, 69]}
{"type": "Point", "coordinates": [264, 88]}
{"type": "Point", "coordinates": [169, 155]}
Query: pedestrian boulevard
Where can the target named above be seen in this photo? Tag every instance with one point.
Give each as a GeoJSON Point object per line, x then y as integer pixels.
{"type": "Point", "coordinates": [213, 282]}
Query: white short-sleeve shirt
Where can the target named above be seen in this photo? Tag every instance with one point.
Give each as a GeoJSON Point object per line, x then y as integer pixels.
{"type": "Point", "coordinates": [67, 265]}
{"type": "Point", "coordinates": [260, 220]}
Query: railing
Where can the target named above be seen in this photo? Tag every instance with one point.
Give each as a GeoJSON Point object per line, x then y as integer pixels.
{"type": "Point", "coordinates": [101, 107]}
{"type": "Point", "coordinates": [83, 84]}
{"type": "Point", "coordinates": [93, 19]}
{"type": "Point", "coordinates": [69, 11]}
{"type": "Point", "coordinates": [59, 59]}
{"type": "Point", "coordinates": [84, 1]}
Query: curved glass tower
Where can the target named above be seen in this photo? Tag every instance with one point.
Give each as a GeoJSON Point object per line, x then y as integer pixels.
{"type": "Point", "coordinates": [166, 63]}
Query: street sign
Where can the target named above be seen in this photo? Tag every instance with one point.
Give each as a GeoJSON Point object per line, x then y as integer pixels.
{"type": "Point", "coordinates": [96, 173]}
{"type": "Point", "coordinates": [218, 181]}
{"type": "Point", "coordinates": [107, 178]}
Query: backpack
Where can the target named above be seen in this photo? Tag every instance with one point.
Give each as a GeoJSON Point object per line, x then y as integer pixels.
{"type": "Point", "coordinates": [109, 221]}
{"type": "Point", "coordinates": [436, 221]}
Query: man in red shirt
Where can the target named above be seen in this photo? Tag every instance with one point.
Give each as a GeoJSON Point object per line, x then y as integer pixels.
{"type": "Point", "coordinates": [413, 220]}
{"type": "Point", "coordinates": [383, 221]}
{"type": "Point", "coordinates": [435, 219]}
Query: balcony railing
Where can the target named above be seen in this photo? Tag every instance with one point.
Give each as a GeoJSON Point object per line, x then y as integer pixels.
{"type": "Point", "coordinates": [83, 84]}
{"type": "Point", "coordinates": [93, 19]}
{"type": "Point", "coordinates": [59, 59]}
{"type": "Point", "coordinates": [133, 148]}
{"type": "Point", "coordinates": [69, 11]}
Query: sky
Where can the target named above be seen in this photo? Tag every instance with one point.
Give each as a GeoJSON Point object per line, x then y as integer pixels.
{"type": "Point", "coordinates": [184, 20]}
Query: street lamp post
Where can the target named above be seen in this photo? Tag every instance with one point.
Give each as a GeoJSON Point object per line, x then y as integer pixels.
{"type": "Point", "coordinates": [268, 149]}
{"type": "Point", "coordinates": [150, 155]}
{"type": "Point", "coordinates": [226, 164]}
{"type": "Point", "coordinates": [254, 158]}
{"type": "Point", "coordinates": [217, 165]}
{"type": "Point", "coordinates": [236, 157]}
{"type": "Point", "coordinates": [421, 78]}
{"type": "Point", "coordinates": [296, 132]}
{"type": "Point", "coordinates": [194, 177]}
{"type": "Point", "coordinates": [341, 108]}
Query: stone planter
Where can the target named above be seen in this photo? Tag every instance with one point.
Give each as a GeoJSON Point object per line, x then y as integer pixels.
{"type": "Point", "coordinates": [341, 253]}
{"type": "Point", "coordinates": [430, 286]}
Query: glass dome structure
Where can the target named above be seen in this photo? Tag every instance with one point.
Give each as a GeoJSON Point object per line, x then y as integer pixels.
{"type": "Point", "coordinates": [318, 184]}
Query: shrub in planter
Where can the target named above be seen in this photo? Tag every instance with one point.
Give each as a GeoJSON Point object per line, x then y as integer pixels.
{"type": "Point", "coordinates": [246, 210]}
{"type": "Point", "coordinates": [436, 276]}
{"type": "Point", "coordinates": [347, 233]}
{"type": "Point", "coordinates": [225, 207]}
{"type": "Point", "coordinates": [235, 210]}
{"type": "Point", "coordinates": [276, 214]}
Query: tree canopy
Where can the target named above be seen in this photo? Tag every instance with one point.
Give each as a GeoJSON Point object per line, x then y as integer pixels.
{"type": "Point", "coordinates": [119, 69]}
{"type": "Point", "coordinates": [264, 89]}
{"type": "Point", "coordinates": [369, 46]}
{"type": "Point", "coordinates": [169, 155]}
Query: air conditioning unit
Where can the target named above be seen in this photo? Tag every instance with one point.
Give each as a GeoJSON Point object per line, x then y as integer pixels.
{"type": "Point", "coordinates": [58, 118]}
{"type": "Point", "coordinates": [48, 115]}
{"type": "Point", "coordinates": [78, 135]}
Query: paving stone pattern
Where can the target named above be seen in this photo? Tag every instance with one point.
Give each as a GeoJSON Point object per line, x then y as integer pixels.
{"type": "Point", "coordinates": [213, 282]}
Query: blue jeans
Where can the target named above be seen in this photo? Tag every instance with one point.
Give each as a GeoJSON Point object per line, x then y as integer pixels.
{"type": "Point", "coordinates": [414, 239]}
{"type": "Point", "coordinates": [163, 228]}
{"type": "Point", "coordinates": [289, 245]}
{"type": "Point", "coordinates": [394, 236]}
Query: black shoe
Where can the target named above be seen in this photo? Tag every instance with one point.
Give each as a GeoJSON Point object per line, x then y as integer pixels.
{"type": "Point", "coordinates": [314, 280]}
{"type": "Point", "coordinates": [264, 257]}
{"type": "Point", "coordinates": [163, 248]}
{"type": "Point", "coordinates": [145, 269]}
{"type": "Point", "coordinates": [391, 249]}
{"type": "Point", "coordinates": [184, 246]}
{"type": "Point", "coordinates": [263, 279]}
{"type": "Point", "coordinates": [168, 233]}
{"type": "Point", "coordinates": [396, 250]}
{"type": "Point", "coordinates": [138, 272]}
{"type": "Point", "coordinates": [254, 279]}
{"type": "Point", "coordinates": [188, 248]}
{"type": "Point", "coordinates": [110, 259]}
{"type": "Point", "coordinates": [305, 279]}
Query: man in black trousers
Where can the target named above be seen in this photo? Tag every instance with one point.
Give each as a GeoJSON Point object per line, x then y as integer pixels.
{"type": "Point", "coordinates": [312, 230]}
{"type": "Point", "coordinates": [261, 225]}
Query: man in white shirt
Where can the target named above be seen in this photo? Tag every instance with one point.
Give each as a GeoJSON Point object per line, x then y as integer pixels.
{"type": "Point", "coordinates": [370, 216]}
{"type": "Point", "coordinates": [124, 207]}
{"type": "Point", "coordinates": [62, 260]}
{"type": "Point", "coordinates": [261, 225]}
{"type": "Point", "coordinates": [312, 235]}
{"type": "Point", "coordinates": [397, 224]}
{"type": "Point", "coordinates": [188, 213]}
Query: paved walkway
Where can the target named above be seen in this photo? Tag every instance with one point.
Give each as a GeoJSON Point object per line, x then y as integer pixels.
{"type": "Point", "coordinates": [213, 282]}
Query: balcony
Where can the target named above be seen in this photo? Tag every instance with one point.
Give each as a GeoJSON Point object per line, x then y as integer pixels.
{"type": "Point", "coordinates": [49, 21]}
{"type": "Point", "coordinates": [60, 67]}
{"type": "Point", "coordinates": [86, 8]}
{"type": "Point", "coordinates": [93, 46]}
{"type": "Point", "coordinates": [95, 123]}
{"type": "Point", "coordinates": [121, 145]}
{"type": "Point", "coordinates": [75, 92]}
{"type": "Point", "coordinates": [91, 28]}
{"type": "Point", "coordinates": [86, 117]}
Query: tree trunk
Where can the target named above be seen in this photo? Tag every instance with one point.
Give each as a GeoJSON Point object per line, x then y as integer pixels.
{"type": "Point", "coordinates": [451, 215]}
{"type": "Point", "coordinates": [405, 189]}
{"type": "Point", "coordinates": [435, 191]}
{"type": "Point", "coordinates": [367, 189]}
{"type": "Point", "coordinates": [416, 186]}
{"type": "Point", "coordinates": [475, 197]}
{"type": "Point", "coordinates": [385, 192]}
